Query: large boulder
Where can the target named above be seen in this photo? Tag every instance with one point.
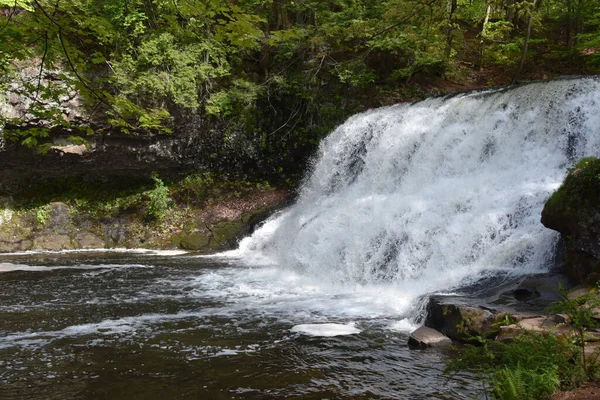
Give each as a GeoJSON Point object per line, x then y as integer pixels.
{"type": "Point", "coordinates": [574, 211]}
{"type": "Point", "coordinates": [462, 322]}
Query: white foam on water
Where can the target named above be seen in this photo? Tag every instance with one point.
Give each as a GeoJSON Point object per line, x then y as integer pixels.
{"type": "Point", "coordinates": [9, 267]}
{"type": "Point", "coordinates": [150, 252]}
{"type": "Point", "coordinates": [121, 326]}
{"type": "Point", "coordinates": [290, 295]}
{"type": "Point", "coordinates": [404, 326]}
{"type": "Point", "coordinates": [326, 330]}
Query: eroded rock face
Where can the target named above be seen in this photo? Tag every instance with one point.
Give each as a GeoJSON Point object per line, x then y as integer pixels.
{"type": "Point", "coordinates": [574, 211]}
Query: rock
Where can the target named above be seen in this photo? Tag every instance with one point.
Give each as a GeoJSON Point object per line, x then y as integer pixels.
{"type": "Point", "coordinates": [59, 217]}
{"type": "Point", "coordinates": [461, 322]}
{"type": "Point", "coordinates": [574, 211]}
{"type": "Point", "coordinates": [591, 336]}
{"type": "Point", "coordinates": [526, 293]}
{"type": "Point", "coordinates": [53, 242]}
{"type": "Point", "coordinates": [580, 291]}
{"type": "Point", "coordinates": [89, 241]}
{"type": "Point", "coordinates": [539, 324]}
{"type": "Point", "coordinates": [71, 149]}
{"type": "Point", "coordinates": [194, 241]}
{"type": "Point", "coordinates": [592, 349]}
{"type": "Point", "coordinates": [560, 319]}
{"type": "Point", "coordinates": [427, 337]}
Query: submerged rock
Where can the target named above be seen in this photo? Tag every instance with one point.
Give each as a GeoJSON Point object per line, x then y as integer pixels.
{"type": "Point", "coordinates": [428, 337]}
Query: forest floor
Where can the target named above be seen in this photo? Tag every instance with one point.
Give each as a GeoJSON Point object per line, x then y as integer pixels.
{"type": "Point", "coordinates": [589, 391]}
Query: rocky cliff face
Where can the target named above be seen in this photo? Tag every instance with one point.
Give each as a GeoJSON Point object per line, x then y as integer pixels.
{"type": "Point", "coordinates": [574, 211]}
{"type": "Point", "coordinates": [109, 154]}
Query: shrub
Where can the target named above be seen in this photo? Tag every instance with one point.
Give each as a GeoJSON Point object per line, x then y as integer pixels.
{"type": "Point", "coordinates": [159, 199]}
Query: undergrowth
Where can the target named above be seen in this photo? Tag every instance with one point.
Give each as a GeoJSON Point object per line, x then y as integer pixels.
{"type": "Point", "coordinates": [534, 365]}
{"type": "Point", "coordinates": [154, 198]}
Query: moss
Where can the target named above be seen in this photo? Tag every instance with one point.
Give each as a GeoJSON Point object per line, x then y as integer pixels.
{"type": "Point", "coordinates": [580, 190]}
{"type": "Point", "coordinates": [225, 232]}
{"type": "Point", "coordinates": [191, 241]}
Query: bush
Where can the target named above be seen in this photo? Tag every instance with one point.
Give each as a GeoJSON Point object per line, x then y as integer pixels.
{"type": "Point", "coordinates": [159, 199]}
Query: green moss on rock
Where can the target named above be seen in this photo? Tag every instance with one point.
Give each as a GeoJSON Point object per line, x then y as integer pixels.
{"type": "Point", "coordinates": [574, 211]}
{"type": "Point", "coordinates": [580, 190]}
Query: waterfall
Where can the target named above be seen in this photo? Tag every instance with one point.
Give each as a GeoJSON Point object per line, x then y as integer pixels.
{"type": "Point", "coordinates": [436, 194]}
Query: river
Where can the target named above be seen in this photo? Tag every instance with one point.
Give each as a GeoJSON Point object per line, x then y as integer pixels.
{"type": "Point", "coordinates": [148, 325]}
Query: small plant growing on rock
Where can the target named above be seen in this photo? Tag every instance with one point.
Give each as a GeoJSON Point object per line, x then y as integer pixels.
{"type": "Point", "coordinates": [42, 214]}
{"type": "Point", "coordinates": [159, 199]}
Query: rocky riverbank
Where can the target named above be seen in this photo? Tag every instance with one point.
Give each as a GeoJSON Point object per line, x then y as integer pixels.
{"type": "Point", "coordinates": [159, 217]}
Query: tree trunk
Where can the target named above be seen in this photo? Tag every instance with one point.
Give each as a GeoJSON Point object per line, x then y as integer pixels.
{"type": "Point", "coordinates": [482, 35]}
{"type": "Point", "coordinates": [525, 45]}
{"type": "Point", "coordinates": [449, 33]}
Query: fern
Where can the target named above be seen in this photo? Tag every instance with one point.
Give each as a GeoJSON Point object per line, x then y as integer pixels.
{"type": "Point", "coordinates": [519, 383]}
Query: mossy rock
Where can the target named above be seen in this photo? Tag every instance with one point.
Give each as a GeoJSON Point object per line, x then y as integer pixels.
{"type": "Point", "coordinates": [461, 322]}
{"type": "Point", "coordinates": [225, 234]}
{"type": "Point", "coordinates": [574, 211]}
{"type": "Point", "coordinates": [192, 241]}
{"type": "Point", "coordinates": [579, 192]}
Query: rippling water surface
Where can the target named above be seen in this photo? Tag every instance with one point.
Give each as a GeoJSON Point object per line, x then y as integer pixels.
{"type": "Point", "coordinates": [160, 326]}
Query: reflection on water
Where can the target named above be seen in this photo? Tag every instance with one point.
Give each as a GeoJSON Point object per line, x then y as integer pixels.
{"type": "Point", "coordinates": [147, 326]}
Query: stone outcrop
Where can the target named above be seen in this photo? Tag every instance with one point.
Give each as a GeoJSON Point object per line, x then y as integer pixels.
{"type": "Point", "coordinates": [427, 337]}
{"type": "Point", "coordinates": [574, 211]}
{"type": "Point", "coordinates": [208, 228]}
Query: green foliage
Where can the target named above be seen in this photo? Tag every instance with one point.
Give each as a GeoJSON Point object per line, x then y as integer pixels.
{"type": "Point", "coordinates": [159, 199]}
{"type": "Point", "coordinates": [581, 311]}
{"type": "Point", "coordinates": [282, 74]}
{"type": "Point", "coordinates": [532, 366]}
{"type": "Point", "coordinates": [43, 214]}
{"type": "Point", "coordinates": [518, 383]}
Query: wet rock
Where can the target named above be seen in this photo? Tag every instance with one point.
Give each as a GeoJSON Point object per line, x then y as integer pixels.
{"type": "Point", "coordinates": [526, 293]}
{"type": "Point", "coordinates": [427, 337]}
{"type": "Point", "coordinates": [461, 322]}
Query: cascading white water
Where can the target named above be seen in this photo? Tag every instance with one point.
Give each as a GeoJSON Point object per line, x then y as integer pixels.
{"type": "Point", "coordinates": [439, 193]}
